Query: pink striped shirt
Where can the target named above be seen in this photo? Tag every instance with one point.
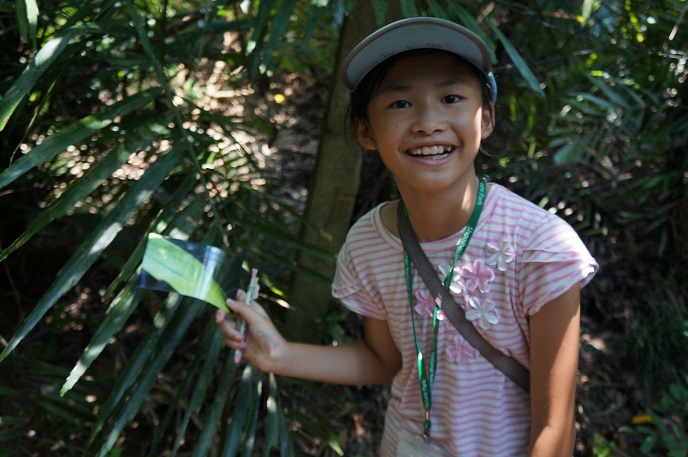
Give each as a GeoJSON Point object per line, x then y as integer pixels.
{"type": "Point", "coordinates": [519, 258]}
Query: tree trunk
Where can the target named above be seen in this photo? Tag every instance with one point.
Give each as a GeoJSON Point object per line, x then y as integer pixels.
{"type": "Point", "coordinates": [333, 188]}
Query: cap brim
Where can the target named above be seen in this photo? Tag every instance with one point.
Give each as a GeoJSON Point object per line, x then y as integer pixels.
{"type": "Point", "coordinates": [410, 34]}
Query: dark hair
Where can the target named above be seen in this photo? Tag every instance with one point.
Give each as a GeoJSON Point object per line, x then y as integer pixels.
{"type": "Point", "coordinates": [361, 96]}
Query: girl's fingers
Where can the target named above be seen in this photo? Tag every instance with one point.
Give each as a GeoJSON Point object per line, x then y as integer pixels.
{"type": "Point", "coordinates": [230, 322]}
{"type": "Point", "coordinates": [235, 344]}
{"type": "Point", "coordinates": [242, 310]}
{"type": "Point", "coordinates": [234, 338]}
{"type": "Point", "coordinates": [227, 326]}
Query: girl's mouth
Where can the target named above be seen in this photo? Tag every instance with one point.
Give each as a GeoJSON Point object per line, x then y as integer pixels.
{"type": "Point", "coordinates": [431, 151]}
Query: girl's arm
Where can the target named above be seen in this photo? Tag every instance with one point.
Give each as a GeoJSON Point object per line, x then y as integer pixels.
{"type": "Point", "coordinates": [372, 360]}
{"type": "Point", "coordinates": [554, 338]}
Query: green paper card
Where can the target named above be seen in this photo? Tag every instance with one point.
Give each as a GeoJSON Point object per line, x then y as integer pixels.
{"type": "Point", "coordinates": [191, 269]}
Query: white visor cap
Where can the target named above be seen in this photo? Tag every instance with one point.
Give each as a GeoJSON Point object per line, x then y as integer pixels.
{"type": "Point", "coordinates": [416, 33]}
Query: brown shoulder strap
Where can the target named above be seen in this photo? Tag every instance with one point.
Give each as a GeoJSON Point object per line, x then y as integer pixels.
{"type": "Point", "coordinates": [456, 315]}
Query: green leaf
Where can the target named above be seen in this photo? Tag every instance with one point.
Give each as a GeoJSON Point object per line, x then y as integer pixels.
{"type": "Point", "coordinates": [27, 16]}
{"type": "Point", "coordinates": [93, 246]}
{"type": "Point", "coordinates": [571, 152]}
{"type": "Point", "coordinates": [279, 27]}
{"type": "Point", "coordinates": [437, 10]}
{"type": "Point", "coordinates": [150, 344]}
{"type": "Point", "coordinates": [277, 234]}
{"type": "Point", "coordinates": [468, 20]}
{"type": "Point", "coordinates": [58, 142]}
{"type": "Point", "coordinates": [586, 11]}
{"type": "Point", "coordinates": [252, 422]}
{"type": "Point", "coordinates": [272, 420]}
{"type": "Point", "coordinates": [380, 10]}
{"type": "Point", "coordinates": [34, 70]}
{"type": "Point", "coordinates": [408, 8]}
{"type": "Point", "coordinates": [349, 5]}
{"type": "Point", "coordinates": [219, 403]}
{"type": "Point", "coordinates": [241, 412]}
{"type": "Point", "coordinates": [165, 347]}
{"type": "Point", "coordinates": [275, 424]}
{"type": "Point", "coordinates": [169, 263]}
{"type": "Point", "coordinates": [79, 189]}
{"type": "Point", "coordinates": [120, 310]}
{"type": "Point", "coordinates": [613, 94]}
{"type": "Point", "coordinates": [204, 379]}
{"type": "Point", "coordinates": [182, 385]}
{"type": "Point", "coordinates": [137, 363]}
{"type": "Point", "coordinates": [260, 26]}
{"type": "Point", "coordinates": [602, 103]}
{"type": "Point", "coordinates": [516, 58]}
{"type": "Point", "coordinates": [162, 223]}
{"type": "Point", "coordinates": [126, 301]}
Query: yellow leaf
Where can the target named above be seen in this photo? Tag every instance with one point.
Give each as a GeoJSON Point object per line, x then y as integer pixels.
{"type": "Point", "coordinates": [641, 419]}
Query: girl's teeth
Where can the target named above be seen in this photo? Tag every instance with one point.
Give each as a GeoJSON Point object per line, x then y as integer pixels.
{"type": "Point", "coordinates": [429, 150]}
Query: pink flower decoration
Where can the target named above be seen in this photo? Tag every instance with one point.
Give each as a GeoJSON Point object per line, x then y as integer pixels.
{"type": "Point", "coordinates": [484, 314]}
{"type": "Point", "coordinates": [456, 286]}
{"type": "Point", "coordinates": [501, 255]}
{"type": "Point", "coordinates": [462, 351]}
{"type": "Point", "coordinates": [426, 304]}
{"type": "Point", "coordinates": [477, 277]}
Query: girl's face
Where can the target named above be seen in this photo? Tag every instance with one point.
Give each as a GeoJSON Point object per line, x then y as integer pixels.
{"type": "Point", "coordinates": [427, 120]}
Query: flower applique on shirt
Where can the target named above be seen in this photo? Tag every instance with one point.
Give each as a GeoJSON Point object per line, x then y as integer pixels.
{"type": "Point", "coordinates": [477, 276]}
{"type": "Point", "coordinates": [425, 304]}
{"type": "Point", "coordinates": [461, 351]}
{"type": "Point", "coordinates": [456, 286]}
{"type": "Point", "coordinates": [483, 313]}
{"type": "Point", "coordinates": [500, 255]}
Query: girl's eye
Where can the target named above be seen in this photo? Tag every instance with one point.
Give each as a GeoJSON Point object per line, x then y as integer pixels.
{"type": "Point", "coordinates": [400, 104]}
{"type": "Point", "coordinates": [449, 99]}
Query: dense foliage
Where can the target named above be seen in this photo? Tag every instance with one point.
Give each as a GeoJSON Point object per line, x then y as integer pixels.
{"type": "Point", "coordinates": [120, 118]}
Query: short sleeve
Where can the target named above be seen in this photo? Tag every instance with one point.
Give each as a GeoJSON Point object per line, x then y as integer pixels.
{"type": "Point", "coordinates": [553, 260]}
{"type": "Point", "coordinates": [348, 288]}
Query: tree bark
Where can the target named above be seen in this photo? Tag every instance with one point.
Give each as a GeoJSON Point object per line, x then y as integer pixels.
{"type": "Point", "coordinates": [334, 185]}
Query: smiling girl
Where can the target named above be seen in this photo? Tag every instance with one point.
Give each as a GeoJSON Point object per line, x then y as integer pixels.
{"type": "Point", "coordinates": [422, 97]}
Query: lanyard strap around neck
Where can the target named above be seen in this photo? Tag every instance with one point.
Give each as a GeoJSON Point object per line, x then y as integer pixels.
{"type": "Point", "coordinates": [426, 376]}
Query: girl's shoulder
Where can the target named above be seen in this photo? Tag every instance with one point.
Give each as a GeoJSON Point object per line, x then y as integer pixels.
{"type": "Point", "coordinates": [371, 228]}
{"type": "Point", "coordinates": [507, 200]}
{"type": "Point", "coordinates": [375, 220]}
{"type": "Point", "coordinates": [508, 209]}
{"type": "Point", "coordinates": [512, 215]}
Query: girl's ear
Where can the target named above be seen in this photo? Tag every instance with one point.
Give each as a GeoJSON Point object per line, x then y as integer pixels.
{"type": "Point", "coordinates": [487, 122]}
{"type": "Point", "coordinates": [364, 136]}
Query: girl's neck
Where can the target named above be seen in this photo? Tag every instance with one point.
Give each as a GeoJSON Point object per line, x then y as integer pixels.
{"type": "Point", "coordinates": [440, 215]}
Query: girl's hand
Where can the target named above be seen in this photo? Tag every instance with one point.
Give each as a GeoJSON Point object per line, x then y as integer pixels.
{"type": "Point", "coordinates": [263, 346]}
{"type": "Point", "coordinates": [374, 360]}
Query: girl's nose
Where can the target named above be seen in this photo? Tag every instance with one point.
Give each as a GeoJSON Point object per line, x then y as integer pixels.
{"type": "Point", "coordinates": [429, 120]}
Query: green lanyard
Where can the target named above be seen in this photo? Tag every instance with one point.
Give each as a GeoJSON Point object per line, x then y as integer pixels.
{"type": "Point", "coordinates": [427, 376]}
